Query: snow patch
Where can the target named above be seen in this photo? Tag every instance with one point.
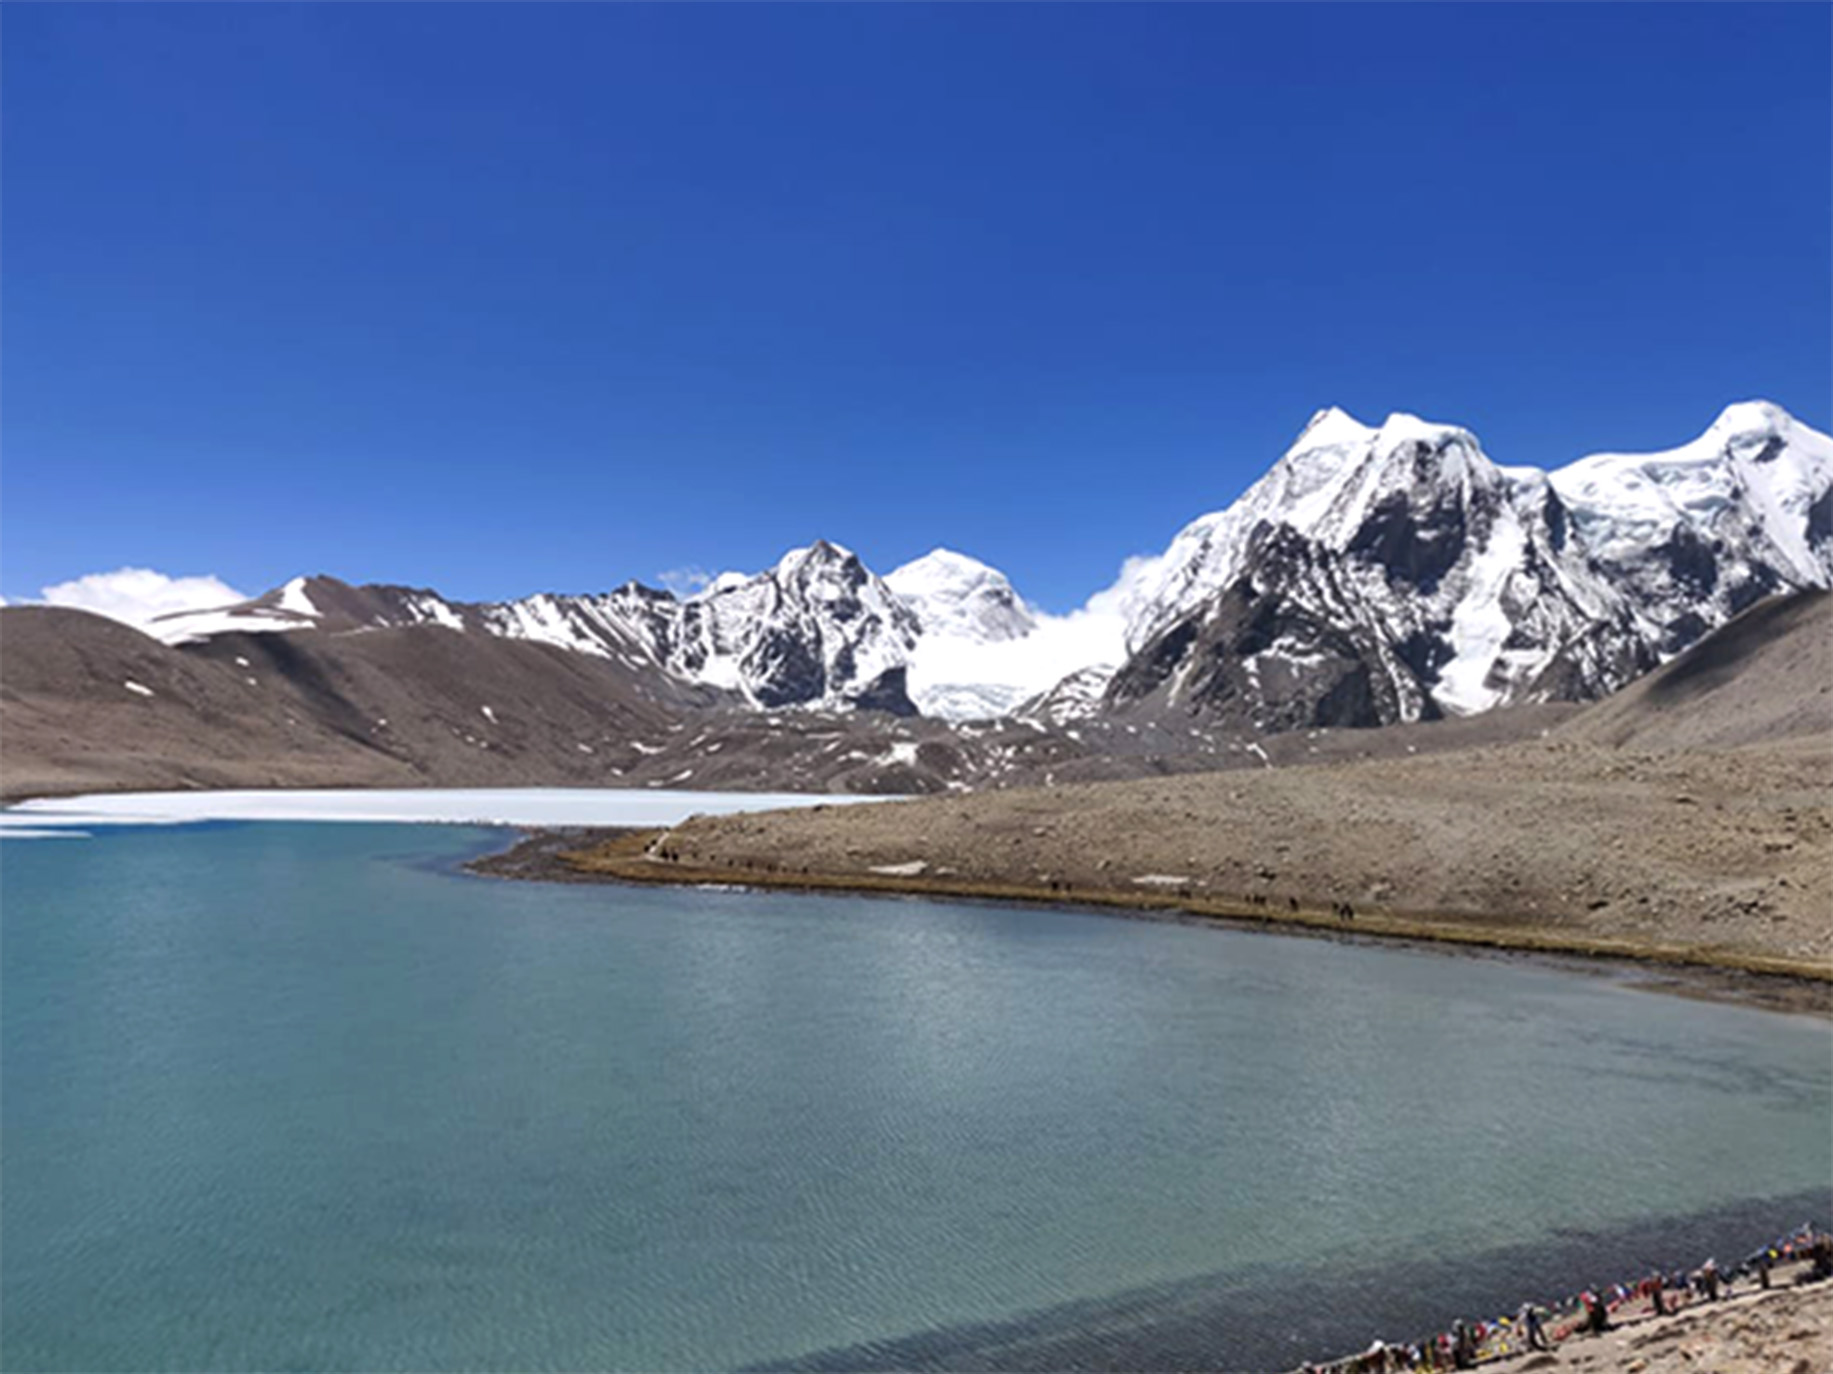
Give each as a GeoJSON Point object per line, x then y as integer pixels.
{"type": "Point", "coordinates": [903, 870]}
{"type": "Point", "coordinates": [294, 601]}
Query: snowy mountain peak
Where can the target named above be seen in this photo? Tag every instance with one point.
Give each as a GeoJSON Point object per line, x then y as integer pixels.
{"type": "Point", "coordinates": [723, 583]}
{"type": "Point", "coordinates": [1756, 417]}
{"type": "Point", "coordinates": [1373, 573]}
{"type": "Point", "coordinates": [960, 597]}
{"type": "Point", "coordinates": [941, 564]}
{"type": "Point", "coordinates": [294, 598]}
{"type": "Point", "coordinates": [1340, 482]}
{"type": "Point", "coordinates": [815, 628]}
{"type": "Point", "coordinates": [1401, 430]}
{"type": "Point", "coordinates": [819, 554]}
{"type": "Point", "coordinates": [1329, 427]}
{"type": "Point", "coordinates": [822, 570]}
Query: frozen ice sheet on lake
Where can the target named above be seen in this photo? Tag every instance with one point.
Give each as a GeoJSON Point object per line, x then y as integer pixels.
{"type": "Point", "coordinates": [534, 806]}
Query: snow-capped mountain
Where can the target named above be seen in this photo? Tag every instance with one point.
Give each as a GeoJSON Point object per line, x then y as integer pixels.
{"type": "Point", "coordinates": [816, 629]}
{"type": "Point", "coordinates": [1374, 574]}
{"type": "Point", "coordinates": [963, 667]}
{"type": "Point", "coordinates": [961, 598]}
{"type": "Point", "coordinates": [1697, 533]}
{"type": "Point", "coordinates": [1396, 573]}
{"type": "Point", "coordinates": [1076, 697]}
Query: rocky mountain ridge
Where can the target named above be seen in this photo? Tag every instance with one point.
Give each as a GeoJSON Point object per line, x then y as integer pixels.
{"type": "Point", "coordinates": [1396, 573]}
{"type": "Point", "coordinates": [1375, 574]}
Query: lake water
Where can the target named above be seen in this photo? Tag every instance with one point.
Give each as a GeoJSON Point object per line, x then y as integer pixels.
{"type": "Point", "coordinates": [302, 1096]}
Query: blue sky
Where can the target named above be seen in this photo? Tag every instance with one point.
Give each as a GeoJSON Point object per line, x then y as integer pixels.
{"type": "Point", "coordinates": [503, 299]}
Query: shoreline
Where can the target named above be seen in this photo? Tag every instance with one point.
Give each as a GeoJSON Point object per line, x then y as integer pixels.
{"type": "Point", "coordinates": [597, 854]}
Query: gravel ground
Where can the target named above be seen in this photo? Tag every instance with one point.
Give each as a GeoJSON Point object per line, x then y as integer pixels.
{"type": "Point", "coordinates": [1714, 857]}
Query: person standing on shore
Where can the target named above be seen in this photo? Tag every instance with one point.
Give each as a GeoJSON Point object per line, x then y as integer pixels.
{"type": "Point", "coordinates": [1597, 1316]}
{"type": "Point", "coordinates": [1822, 1251]}
{"type": "Point", "coordinates": [1530, 1322]}
{"type": "Point", "coordinates": [1463, 1346]}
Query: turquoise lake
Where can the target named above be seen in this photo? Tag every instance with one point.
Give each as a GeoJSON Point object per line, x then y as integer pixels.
{"type": "Point", "coordinates": [289, 1096]}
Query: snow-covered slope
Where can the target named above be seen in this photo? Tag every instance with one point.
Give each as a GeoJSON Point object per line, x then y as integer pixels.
{"type": "Point", "coordinates": [287, 607]}
{"type": "Point", "coordinates": [963, 666]}
{"type": "Point", "coordinates": [1395, 573]}
{"type": "Point", "coordinates": [961, 598]}
{"type": "Point", "coordinates": [1696, 533]}
{"type": "Point", "coordinates": [1072, 698]}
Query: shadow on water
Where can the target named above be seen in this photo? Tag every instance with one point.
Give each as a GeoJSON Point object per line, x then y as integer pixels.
{"type": "Point", "coordinates": [1274, 1317]}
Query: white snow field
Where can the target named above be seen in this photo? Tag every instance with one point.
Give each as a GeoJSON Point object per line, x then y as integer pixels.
{"type": "Point", "coordinates": [533, 806]}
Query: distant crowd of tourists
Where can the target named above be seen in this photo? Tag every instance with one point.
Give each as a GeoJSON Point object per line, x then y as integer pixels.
{"type": "Point", "coordinates": [1537, 1326]}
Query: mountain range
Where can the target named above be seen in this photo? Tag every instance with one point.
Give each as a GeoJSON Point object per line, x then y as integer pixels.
{"type": "Point", "coordinates": [1389, 575]}
{"type": "Point", "coordinates": [1374, 575]}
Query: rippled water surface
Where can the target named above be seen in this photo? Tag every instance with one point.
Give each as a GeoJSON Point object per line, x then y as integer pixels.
{"type": "Point", "coordinates": [287, 1096]}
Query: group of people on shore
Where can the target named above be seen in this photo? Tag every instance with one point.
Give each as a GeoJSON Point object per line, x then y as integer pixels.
{"type": "Point", "coordinates": [1539, 1327]}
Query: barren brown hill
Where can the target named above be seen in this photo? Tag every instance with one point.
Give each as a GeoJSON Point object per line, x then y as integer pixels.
{"type": "Point", "coordinates": [89, 704]}
{"type": "Point", "coordinates": [1766, 675]}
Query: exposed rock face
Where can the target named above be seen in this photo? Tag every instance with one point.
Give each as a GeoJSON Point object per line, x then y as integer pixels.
{"type": "Point", "coordinates": [90, 704]}
{"type": "Point", "coordinates": [813, 628]}
{"type": "Point", "coordinates": [887, 692]}
{"type": "Point", "coordinates": [1276, 651]}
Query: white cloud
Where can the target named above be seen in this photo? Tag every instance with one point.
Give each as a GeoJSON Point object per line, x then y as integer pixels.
{"type": "Point", "coordinates": [684, 582]}
{"type": "Point", "coordinates": [137, 595]}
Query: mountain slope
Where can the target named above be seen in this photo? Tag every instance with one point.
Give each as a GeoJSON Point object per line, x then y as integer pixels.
{"type": "Point", "coordinates": [1764, 677]}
